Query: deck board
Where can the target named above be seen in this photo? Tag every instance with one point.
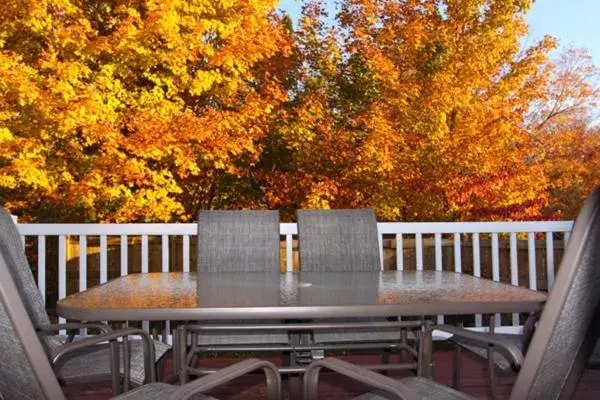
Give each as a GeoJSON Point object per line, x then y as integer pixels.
{"type": "Point", "coordinates": [335, 387]}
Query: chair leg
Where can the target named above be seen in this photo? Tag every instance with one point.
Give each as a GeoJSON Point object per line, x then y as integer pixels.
{"type": "Point", "coordinates": [385, 359]}
{"type": "Point", "coordinates": [404, 342]}
{"type": "Point", "coordinates": [115, 374]}
{"type": "Point", "coordinates": [175, 353]}
{"type": "Point", "coordinates": [491, 363]}
{"type": "Point", "coordinates": [385, 356]}
{"type": "Point", "coordinates": [160, 370]}
{"type": "Point", "coordinates": [182, 357]}
{"type": "Point", "coordinates": [194, 362]}
{"type": "Point", "coordinates": [456, 371]}
{"type": "Point", "coordinates": [127, 366]}
{"type": "Point", "coordinates": [294, 381]}
{"type": "Point", "coordinates": [492, 373]}
{"type": "Point", "coordinates": [193, 345]}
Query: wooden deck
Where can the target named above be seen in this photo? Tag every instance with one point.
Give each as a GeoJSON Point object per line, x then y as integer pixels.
{"type": "Point", "coordinates": [333, 386]}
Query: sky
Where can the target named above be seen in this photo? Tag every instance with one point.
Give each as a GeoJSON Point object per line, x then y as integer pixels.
{"type": "Point", "coordinates": [573, 22]}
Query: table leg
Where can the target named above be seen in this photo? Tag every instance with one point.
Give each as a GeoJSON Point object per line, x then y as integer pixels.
{"type": "Point", "coordinates": [404, 341]}
{"type": "Point", "coordinates": [175, 351]}
{"type": "Point", "coordinates": [425, 363]}
{"type": "Point", "coordinates": [115, 375]}
{"type": "Point", "coordinates": [294, 383]}
{"type": "Point", "coordinates": [181, 351]}
{"type": "Point", "coordinates": [297, 338]}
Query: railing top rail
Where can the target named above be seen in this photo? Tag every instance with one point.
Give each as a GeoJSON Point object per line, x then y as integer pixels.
{"type": "Point", "coordinates": [108, 229]}
{"type": "Point", "coordinates": [474, 227]}
{"type": "Point", "coordinates": [291, 228]}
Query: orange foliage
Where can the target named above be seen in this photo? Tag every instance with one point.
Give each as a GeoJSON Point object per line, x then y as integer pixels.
{"type": "Point", "coordinates": [415, 108]}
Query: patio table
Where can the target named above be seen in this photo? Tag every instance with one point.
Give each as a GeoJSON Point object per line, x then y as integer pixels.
{"type": "Point", "coordinates": [294, 296]}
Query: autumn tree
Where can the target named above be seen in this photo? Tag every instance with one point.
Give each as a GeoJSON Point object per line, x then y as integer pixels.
{"type": "Point", "coordinates": [135, 110]}
{"type": "Point", "coordinates": [417, 108]}
{"type": "Point", "coordinates": [306, 156]}
{"type": "Point", "coordinates": [571, 158]}
{"type": "Point", "coordinates": [566, 132]}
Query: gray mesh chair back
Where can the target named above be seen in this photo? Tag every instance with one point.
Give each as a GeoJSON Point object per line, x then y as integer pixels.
{"type": "Point", "coordinates": [570, 323]}
{"type": "Point", "coordinates": [25, 371]}
{"type": "Point", "coordinates": [238, 241]}
{"type": "Point", "coordinates": [18, 266]}
{"type": "Point", "coordinates": [12, 248]}
{"type": "Point", "coordinates": [338, 240]}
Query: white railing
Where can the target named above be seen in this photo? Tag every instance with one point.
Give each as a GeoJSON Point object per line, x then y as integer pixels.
{"type": "Point", "coordinates": [437, 233]}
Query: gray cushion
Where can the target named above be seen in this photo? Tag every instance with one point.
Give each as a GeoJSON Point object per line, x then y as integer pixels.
{"type": "Point", "coordinates": [433, 390]}
{"type": "Point", "coordinates": [156, 391]}
{"type": "Point", "coordinates": [501, 360]}
{"type": "Point", "coordinates": [427, 389]}
{"type": "Point", "coordinates": [90, 363]}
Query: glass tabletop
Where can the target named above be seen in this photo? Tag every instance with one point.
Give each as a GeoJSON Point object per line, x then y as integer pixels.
{"type": "Point", "coordinates": [177, 295]}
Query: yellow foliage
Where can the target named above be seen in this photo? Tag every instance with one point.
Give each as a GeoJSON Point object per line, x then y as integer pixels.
{"type": "Point", "coordinates": [108, 109]}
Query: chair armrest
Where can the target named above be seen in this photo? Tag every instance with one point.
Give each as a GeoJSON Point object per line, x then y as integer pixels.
{"type": "Point", "coordinates": [529, 328]}
{"type": "Point", "coordinates": [368, 377]}
{"type": "Point", "coordinates": [229, 373]}
{"type": "Point", "coordinates": [486, 339]}
{"type": "Point", "coordinates": [112, 336]}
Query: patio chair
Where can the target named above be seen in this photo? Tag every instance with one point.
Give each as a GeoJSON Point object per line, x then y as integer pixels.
{"type": "Point", "coordinates": [567, 331]}
{"type": "Point", "coordinates": [86, 364]}
{"type": "Point", "coordinates": [237, 241]}
{"type": "Point", "coordinates": [499, 356]}
{"type": "Point", "coordinates": [347, 241]}
{"type": "Point", "coordinates": [26, 373]}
